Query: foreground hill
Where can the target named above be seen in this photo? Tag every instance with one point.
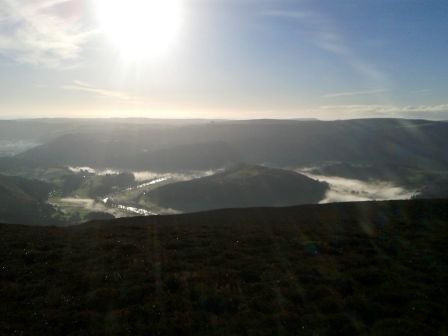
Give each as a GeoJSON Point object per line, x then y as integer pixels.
{"type": "Point", "coordinates": [24, 201]}
{"type": "Point", "coordinates": [338, 269]}
{"type": "Point", "coordinates": [242, 186]}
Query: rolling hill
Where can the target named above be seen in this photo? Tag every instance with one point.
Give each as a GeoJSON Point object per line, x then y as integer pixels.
{"type": "Point", "coordinates": [24, 201]}
{"type": "Point", "coordinates": [241, 186]}
{"type": "Point", "coordinates": [416, 143]}
{"type": "Point", "coordinates": [375, 268]}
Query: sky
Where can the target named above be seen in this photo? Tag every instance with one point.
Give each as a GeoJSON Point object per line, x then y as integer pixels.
{"type": "Point", "coordinates": [231, 59]}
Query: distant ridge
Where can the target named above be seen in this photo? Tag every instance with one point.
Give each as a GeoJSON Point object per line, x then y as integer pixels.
{"type": "Point", "coordinates": [415, 143]}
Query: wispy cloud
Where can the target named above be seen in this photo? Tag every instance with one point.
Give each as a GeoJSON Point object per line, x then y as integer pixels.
{"type": "Point", "coordinates": [34, 32]}
{"type": "Point", "coordinates": [324, 34]}
{"type": "Point", "coordinates": [101, 93]}
{"type": "Point", "coordinates": [436, 111]}
{"type": "Point", "coordinates": [354, 93]}
{"type": "Point", "coordinates": [422, 91]}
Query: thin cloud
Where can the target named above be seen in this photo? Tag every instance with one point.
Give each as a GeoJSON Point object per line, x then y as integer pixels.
{"type": "Point", "coordinates": [437, 111]}
{"type": "Point", "coordinates": [325, 35]}
{"type": "Point", "coordinates": [422, 91]}
{"type": "Point", "coordinates": [289, 14]}
{"type": "Point", "coordinates": [100, 93]}
{"type": "Point", "coordinates": [33, 32]}
{"type": "Point", "coordinates": [354, 93]}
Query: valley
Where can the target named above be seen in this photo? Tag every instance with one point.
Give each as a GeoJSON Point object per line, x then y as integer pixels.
{"type": "Point", "coordinates": [129, 169]}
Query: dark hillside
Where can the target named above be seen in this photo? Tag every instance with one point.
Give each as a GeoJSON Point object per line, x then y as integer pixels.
{"type": "Point", "coordinates": [24, 201]}
{"type": "Point", "coordinates": [340, 269]}
{"type": "Point", "coordinates": [242, 186]}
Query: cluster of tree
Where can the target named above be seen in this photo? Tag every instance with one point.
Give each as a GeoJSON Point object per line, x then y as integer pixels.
{"type": "Point", "coordinates": [90, 185]}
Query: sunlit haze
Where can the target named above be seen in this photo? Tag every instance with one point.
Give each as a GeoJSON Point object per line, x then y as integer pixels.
{"type": "Point", "coordinates": [233, 59]}
{"type": "Point", "coordinates": [140, 28]}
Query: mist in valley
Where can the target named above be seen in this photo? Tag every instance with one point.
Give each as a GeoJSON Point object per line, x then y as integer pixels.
{"type": "Point", "coordinates": [11, 147]}
{"type": "Point", "coordinates": [352, 190]}
{"type": "Point", "coordinates": [126, 169]}
{"type": "Point", "coordinates": [125, 202]}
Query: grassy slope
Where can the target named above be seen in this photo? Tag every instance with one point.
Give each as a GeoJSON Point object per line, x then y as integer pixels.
{"type": "Point", "coordinates": [361, 268]}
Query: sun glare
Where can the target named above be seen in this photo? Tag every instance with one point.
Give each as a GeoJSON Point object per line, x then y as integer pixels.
{"type": "Point", "coordinates": [140, 29]}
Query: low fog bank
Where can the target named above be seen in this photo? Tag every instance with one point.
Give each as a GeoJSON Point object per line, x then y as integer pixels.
{"type": "Point", "coordinates": [126, 201]}
{"type": "Point", "coordinates": [142, 176]}
{"type": "Point", "coordinates": [341, 189]}
{"type": "Point", "coordinates": [148, 176]}
{"type": "Point", "coordinates": [11, 148]}
{"type": "Point", "coordinates": [351, 190]}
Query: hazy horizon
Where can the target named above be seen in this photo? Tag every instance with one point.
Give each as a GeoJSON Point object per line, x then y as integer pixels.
{"type": "Point", "coordinates": [123, 118]}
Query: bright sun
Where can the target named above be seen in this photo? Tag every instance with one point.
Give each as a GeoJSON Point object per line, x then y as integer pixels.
{"type": "Point", "coordinates": [140, 28]}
